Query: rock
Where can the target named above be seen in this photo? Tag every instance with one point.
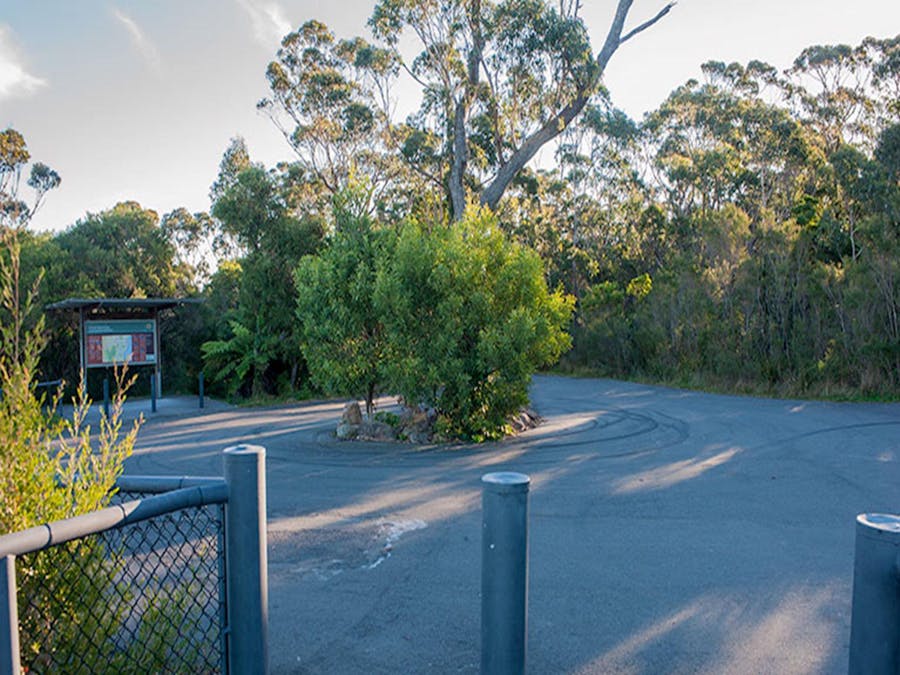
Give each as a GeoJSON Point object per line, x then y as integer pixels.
{"type": "Point", "coordinates": [352, 414]}
{"type": "Point", "coordinates": [371, 430]}
{"type": "Point", "coordinates": [419, 437]}
{"type": "Point", "coordinates": [346, 431]}
{"type": "Point", "coordinates": [417, 425]}
{"type": "Point", "coordinates": [525, 419]}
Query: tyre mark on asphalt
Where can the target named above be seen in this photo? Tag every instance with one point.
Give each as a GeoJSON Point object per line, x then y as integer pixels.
{"type": "Point", "coordinates": [846, 427]}
{"type": "Point", "coordinates": [664, 431]}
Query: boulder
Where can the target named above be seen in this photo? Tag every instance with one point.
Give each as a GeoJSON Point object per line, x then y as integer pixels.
{"type": "Point", "coordinates": [352, 414]}
{"type": "Point", "coordinates": [525, 419]}
{"type": "Point", "coordinates": [346, 431]}
{"type": "Point", "coordinates": [372, 430]}
{"type": "Point", "coordinates": [419, 437]}
{"type": "Point", "coordinates": [417, 424]}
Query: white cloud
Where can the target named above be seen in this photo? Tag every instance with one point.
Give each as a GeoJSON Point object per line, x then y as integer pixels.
{"type": "Point", "coordinates": [140, 41]}
{"type": "Point", "coordinates": [14, 79]}
{"type": "Point", "coordinates": [268, 20]}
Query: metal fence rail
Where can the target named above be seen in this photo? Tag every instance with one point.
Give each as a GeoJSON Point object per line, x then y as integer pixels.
{"type": "Point", "coordinates": [140, 586]}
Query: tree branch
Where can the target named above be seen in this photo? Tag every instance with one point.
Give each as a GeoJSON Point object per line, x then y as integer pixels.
{"type": "Point", "coordinates": [644, 26]}
{"type": "Point", "coordinates": [559, 121]}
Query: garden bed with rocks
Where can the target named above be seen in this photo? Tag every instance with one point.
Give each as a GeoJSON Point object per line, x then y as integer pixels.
{"type": "Point", "coordinates": [412, 425]}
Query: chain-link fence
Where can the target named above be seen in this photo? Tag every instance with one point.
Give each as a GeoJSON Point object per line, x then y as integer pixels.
{"type": "Point", "coordinates": [171, 578]}
{"type": "Point", "coordinates": [148, 597]}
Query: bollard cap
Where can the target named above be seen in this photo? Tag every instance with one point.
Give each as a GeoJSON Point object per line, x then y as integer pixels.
{"type": "Point", "coordinates": [506, 481]}
{"type": "Point", "coordinates": [245, 450]}
{"type": "Point", "coordinates": [878, 525]}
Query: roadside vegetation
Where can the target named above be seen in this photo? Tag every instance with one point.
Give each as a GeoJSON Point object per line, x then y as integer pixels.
{"type": "Point", "coordinates": [744, 236]}
{"type": "Point", "coordinates": [51, 467]}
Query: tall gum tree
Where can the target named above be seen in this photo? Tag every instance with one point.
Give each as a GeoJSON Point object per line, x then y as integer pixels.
{"type": "Point", "coordinates": [498, 81]}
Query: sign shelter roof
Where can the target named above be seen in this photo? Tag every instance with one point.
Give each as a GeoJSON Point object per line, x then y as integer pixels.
{"type": "Point", "coordinates": [96, 305]}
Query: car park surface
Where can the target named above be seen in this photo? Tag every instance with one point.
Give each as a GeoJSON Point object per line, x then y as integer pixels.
{"type": "Point", "coordinates": [671, 531]}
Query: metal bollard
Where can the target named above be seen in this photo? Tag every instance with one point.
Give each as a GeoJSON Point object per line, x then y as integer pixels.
{"type": "Point", "coordinates": [9, 617]}
{"type": "Point", "coordinates": [875, 619]}
{"type": "Point", "coordinates": [152, 392]}
{"type": "Point", "coordinates": [201, 388]}
{"type": "Point", "coordinates": [245, 546]}
{"type": "Point", "coordinates": [504, 573]}
{"type": "Point", "coordinates": [106, 397]}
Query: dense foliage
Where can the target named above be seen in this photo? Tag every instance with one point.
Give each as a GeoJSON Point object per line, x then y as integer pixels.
{"type": "Point", "coordinates": [763, 208]}
{"type": "Point", "coordinates": [255, 348]}
{"type": "Point", "coordinates": [468, 318]}
{"type": "Point", "coordinates": [343, 336]}
{"type": "Point", "coordinates": [741, 235]}
{"type": "Point", "coordinates": [453, 318]}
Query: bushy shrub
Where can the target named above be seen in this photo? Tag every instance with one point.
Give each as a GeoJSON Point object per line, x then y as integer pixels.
{"type": "Point", "coordinates": [455, 318]}
{"type": "Point", "coordinates": [468, 317]}
{"type": "Point", "coordinates": [342, 331]}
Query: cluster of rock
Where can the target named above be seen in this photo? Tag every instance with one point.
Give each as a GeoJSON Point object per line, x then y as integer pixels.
{"type": "Point", "coordinates": [415, 425]}
{"type": "Point", "coordinates": [524, 420]}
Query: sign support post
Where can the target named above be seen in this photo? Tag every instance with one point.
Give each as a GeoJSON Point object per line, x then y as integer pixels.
{"type": "Point", "coordinates": [82, 350]}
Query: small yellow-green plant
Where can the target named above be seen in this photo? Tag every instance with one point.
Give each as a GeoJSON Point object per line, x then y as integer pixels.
{"type": "Point", "coordinates": [50, 466]}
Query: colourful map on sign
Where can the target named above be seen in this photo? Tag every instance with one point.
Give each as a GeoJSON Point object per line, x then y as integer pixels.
{"type": "Point", "coordinates": [117, 348]}
{"type": "Point", "coordinates": [118, 342]}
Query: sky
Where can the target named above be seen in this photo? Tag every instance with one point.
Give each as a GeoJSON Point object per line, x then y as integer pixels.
{"type": "Point", "coordinates": [138, 99]}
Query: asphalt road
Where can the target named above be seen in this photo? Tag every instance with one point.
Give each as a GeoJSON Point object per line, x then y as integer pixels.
{"type": "Point", "coordinates": [671, 531]}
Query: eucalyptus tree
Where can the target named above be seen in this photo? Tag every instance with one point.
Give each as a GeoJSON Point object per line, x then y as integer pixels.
{"type": "Point", "coordinates": [848, 93]}
{"type": "Point", "coordinates": [14, 159]}
{"type": "Point", "coordinates": [721, 143]}
{"type": "Point", "coordinates": [331, 99]}
{"type": "Point", "coordinates": [498, 81]}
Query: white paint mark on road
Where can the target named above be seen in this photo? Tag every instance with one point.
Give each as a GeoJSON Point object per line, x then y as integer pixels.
{"type": "Point", "coordinates": [392, 531]}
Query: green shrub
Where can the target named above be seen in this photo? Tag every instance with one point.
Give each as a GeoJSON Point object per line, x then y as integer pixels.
{"type": "Point", "coordinates": [468, 318]}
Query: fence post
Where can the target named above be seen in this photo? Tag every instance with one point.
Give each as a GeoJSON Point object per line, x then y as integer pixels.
{"type": "Point", "coordinates": [245, 548]}
{"type": "Point", "coordinates": [152, 392]}
{"type": "Point", "coordinates": [106, 397]}
{"type": "Point", "coordinates": [9, 617]}
{"type": "Point", "coordinates": [201, 389]}
{"type": "Point", "coordinates": [875, 618]}
{"type": "Point", "coordinates": [504, 573]}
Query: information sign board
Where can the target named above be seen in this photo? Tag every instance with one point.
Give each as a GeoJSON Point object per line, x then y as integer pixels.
{"type": "Point", "coordinates": [115, 342]}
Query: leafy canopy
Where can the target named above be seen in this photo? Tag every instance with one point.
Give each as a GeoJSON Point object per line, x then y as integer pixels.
{"type": "Point", "coordinates": [468, 317]}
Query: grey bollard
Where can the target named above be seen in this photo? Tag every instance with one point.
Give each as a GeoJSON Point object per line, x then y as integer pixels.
{"type": "Point", "coordinates": [504, 573]}
{"type": "Point", "coordinates": [246, 561]}
{"type": "Point", "coordinates": [200, 387]}
{"type": "Point", "coordinates": [9, 617]}
{"type": "Point", "coordinates": [875, 619]}
{"type": "Point", "coordinates": [106, 397]}
{"type": "Point", "coordinates": [152, 392]}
